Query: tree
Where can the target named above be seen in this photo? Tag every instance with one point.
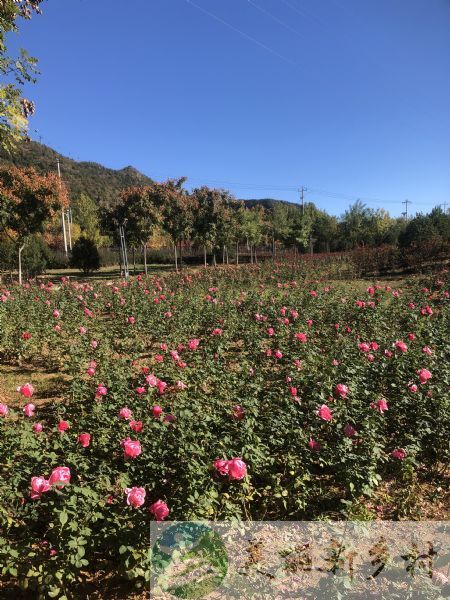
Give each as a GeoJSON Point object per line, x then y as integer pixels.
{"type": "Point", "coordinates": [27, 202]}
{"type": "Point", "coordinates": [85, 215]}
{"type": "Point", "coordinates": [14, 108]}
{"type": "Point", "coordinates": [138, 211]}
{"type": "Point", "coordinates": [85, 256]}
{"type": "Point", "coordinates": [278, 225]}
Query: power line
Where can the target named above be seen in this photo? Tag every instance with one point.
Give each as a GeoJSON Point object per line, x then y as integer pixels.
{"type": "Point", "coordinates": [406, 202]}
{"type": "Point", "coordinates": [246, 35]}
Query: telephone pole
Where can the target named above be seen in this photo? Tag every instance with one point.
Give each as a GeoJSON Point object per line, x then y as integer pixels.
{"type": "Point", "coordinates": [302, 197]}
{"type": "Point", "coordinates": [63, 213]}
{"type": "Point", "coordinates": [406, 202]}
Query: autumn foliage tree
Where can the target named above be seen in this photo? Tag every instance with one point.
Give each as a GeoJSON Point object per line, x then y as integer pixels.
{"type": "Point", "coordinates": [27, 202]}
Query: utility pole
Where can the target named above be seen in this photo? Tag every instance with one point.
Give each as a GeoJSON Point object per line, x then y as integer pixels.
{"type": "Point", "coordinates": [444, 207]}
{"type": "Point", "coordinates": [302, 197]}
{"type": "Point", "coordinates": [123, 248]}
{"type": "Point", "coordinates": [406, 202]}
{"type": "Point", "coordinates": [63, 213]}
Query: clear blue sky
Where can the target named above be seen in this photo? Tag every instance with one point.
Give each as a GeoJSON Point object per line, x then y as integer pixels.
{"type": "Point", "coordinates": [347, 96]}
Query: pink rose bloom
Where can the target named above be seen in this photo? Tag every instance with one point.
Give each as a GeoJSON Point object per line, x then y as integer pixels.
{"type": "Point", "coordinates": [63, 426]}
{"type": "Point", "coordinates": [238, 412]}
{"type": "Point", "coordinates": [193, 344]}
{"type": "Point", "coordinates": [364, 347]}
{"type": "Point", "coordinates": [301, 337]}
{"type": "Point", "coordinates": [324, 413]}
{"type": "Point", "coordinates": [413, 387]}
{"type": "Point", "coordinates": [398, 453]}
{"type": "Point", "coordinates": [94, 344]}
{"type": "Point", "coordinates": [370, 357]}
{"type": "Point", "coordinates": [151, 380]}
{"type": "Point", "coordinates": [401, 346]}
{"type": "Point", "coordinates": [131, 320]}
{"type": "Point", "coordinates": [380, 405]}
{"type": "Point", "coordinates": [159, 358]}
{"type": "Point", "coordinates": [101, 390]}
{"type": "Point", "coordinates": [29, 410]}
{"type": "Point", "coordinates": [427, 350]}
{"type": "Point", "coordinates": [159, 510]}
{"type": "Point", "coordinates": [181, 385]}
{"type": "Point", "coordinates": [341, 390]}
{"type": "Point", "coordinates": [388, 353]}
{"type": "Point", "coordinates": [84, 439]}
{"type": "Point", "coordinates": [424, 375]}
{"type": "Point", "coordinates": [411, 336]}
{"type": "Point", "coordinates": [278, 354]}
{"type": "Point", "coordinates": [135, 496]}
{"type": "Point", "coordinates": [39, 485]}
{"type": "Point", "coordinates": [349, 430]}
{"type": "Point", "coordinates": [131, 448]}
{"type": "Point", "coordinates": [37, 427]}
{"type": "Point", "coordinates": [3, 410]}
{"type": "Point", "coordinates": [26, 390]}
{"type": "Point", "coordinates": [60, 476]}
{"type": "Point", "coordinates": [237, 469]}
{"type": "Point", "coordinates": [56, 313]}
{"type": "Point", "coordinates": [136, 426]}
{"type": "Point", "coordinates": [140, 390]}
{"type": "Point", "coordinates": [88, 312]}
{"type": "Point", "coordinates": [217, 331]}
{"type": "Point", "coordinates": [221, 466]}
{"type": "Point", "coordinates": [374, 346]}
{"type": "Point", "coordinates": [315, 446]}
{"type": "Point", "coordinates": [169, 418]}
{"type": "Point", "coordinates": [82, 330]}
{"type": "Point", "coordinates": [161, 385]}
{"type": "Point", "coordinates": [125, 413]}
{"type": "Point", "coordinates": [270, 331]}
{"type": "Point", "coordinates": [90, 371]}
{"type": "Point", "coordinates": [157, 411]}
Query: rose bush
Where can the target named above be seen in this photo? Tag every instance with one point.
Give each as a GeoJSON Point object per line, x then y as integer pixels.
{"type": "Point", "coordinates": [263, 392]}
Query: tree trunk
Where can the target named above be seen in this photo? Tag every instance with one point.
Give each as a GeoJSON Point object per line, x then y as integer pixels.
{"type": "Point", "coordinates": [134, 260]}
{"type": "Point", "coordinates": [181, 254]}
{"type": "Point", "coordinates": [226, 253]}
{"type": "Point", "coordinates": [204, 256]}
{"type": "Point", "coordinates": [237, 253]}
{"type": "Point", "coordinates": [20, 263]}
{"type": "Point", "coordinates": [254, 253]}
{"type": "Point", "coordinates": [145, 259]}
{"type": "Point", "coordinates": [176, 256]}
{"type": "Point", "coordinates": [214, 258]}
{"type": "Point", "coordinates": [273, 247]}
{"type": "Point", "coordinates": [251, 254]}
{"type": "Point", "coordinates": [223, 255]}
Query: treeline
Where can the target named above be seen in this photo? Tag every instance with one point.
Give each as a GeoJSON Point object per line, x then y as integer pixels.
{"type": "Point", "coordinates": [208, 222]}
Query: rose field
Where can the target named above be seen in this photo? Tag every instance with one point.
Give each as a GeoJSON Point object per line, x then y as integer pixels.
{"type": "Point", "coordinates": [279, 391]}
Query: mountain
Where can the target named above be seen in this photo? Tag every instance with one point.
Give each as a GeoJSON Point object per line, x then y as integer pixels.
{"type": "Point", "coordinates": [95, 180]}
{"type": "Point", "coordinates": [98, 182]}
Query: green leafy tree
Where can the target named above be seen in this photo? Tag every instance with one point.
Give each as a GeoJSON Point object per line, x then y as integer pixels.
{"type": "Point", "coordinates": [85, 214]}
{"type": "Point", "coordinates": [14, 108]}
{"type": "Point", "coordinates": [85, 256]}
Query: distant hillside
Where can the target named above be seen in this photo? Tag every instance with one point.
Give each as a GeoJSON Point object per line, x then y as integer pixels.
{"type": "Point", "coordinates": [100, 183]}
{"type": "Point", "coordinates": [268, 203]}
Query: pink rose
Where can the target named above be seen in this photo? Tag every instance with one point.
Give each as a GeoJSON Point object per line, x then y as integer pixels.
{"type": "Point", "coordinates": [427, 350]}
{"type": "Point", "coordinates": [398, 453]}
{"type": "Point", "coordinates": [63, 426]}
{"type": "Point", "coordinates": [39, 485]}
{"type": "Point", "coordinates": [237, 469]}
{"type": "Point", "coordinates": [131, 320]}
{"type": "Point", "coordinates": [26, 390]}
{"type": "Point", "coordinates": [59, 476]}
{"type": "Point", "coordinates": [315, 446]}
{"type": "Point", "coordinates": [221, 466]}
{"type": "Point", "coordinates": [151, 380]}
{"type": "Point", "coordinates": [159, 510]}
{"type": "Point", "coordinates": [136, 426]}
{"type": "Point", "coordinates": [380, 405]}
{"type": "Point", "coordinates": [135, 496]}
{"type": "Point", "coordinates": [324, 413]}
{"type": "Point", "coordinates": [37, 427]}
{"type": "Point", "coordinates": [341, 390]}
{"type": "Point", "coordinates": [84, 439]}
{"type": "Point", "coordinates": [125, 413]}
{"type": "Point", "coordinates": [131, 448]}
{"type": "Point", "coordinates": [193, 344]}
{"type": "Point", "coordinates": [424, 375]}
{"type": "Point", "coordinates": [29, 410]}
{"type": "Point", "coordinates": [157, 411]}
{"type": "Point", "coordinates": [401, 346]}
{"type": "Point", "coordinates": [101, 390]}
{"type": "Point", "coordinates": [3, 410]}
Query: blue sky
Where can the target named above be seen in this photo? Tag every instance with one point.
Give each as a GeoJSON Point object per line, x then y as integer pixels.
{"type": "Point", "coordinates": [259, 96]}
